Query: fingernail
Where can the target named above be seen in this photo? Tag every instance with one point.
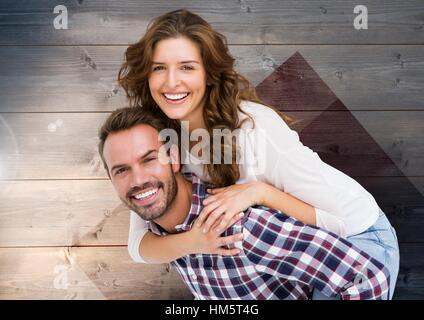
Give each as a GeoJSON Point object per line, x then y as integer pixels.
{"type": "Point", "coordinates": [217, 230]}
{"type": "Point", "coordinates": [241, 236]}
{"type": "Point", "coordinates": [241, 214]}
{"type": "Point", "coordinates": [204, 231]}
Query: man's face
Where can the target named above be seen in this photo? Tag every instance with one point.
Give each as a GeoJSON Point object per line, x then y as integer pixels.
{"type": "Point", "coordinates": [145, 184]}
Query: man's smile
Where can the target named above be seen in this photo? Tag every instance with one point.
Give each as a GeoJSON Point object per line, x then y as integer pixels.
{"type": "Point", "coordinates": [146, 197]}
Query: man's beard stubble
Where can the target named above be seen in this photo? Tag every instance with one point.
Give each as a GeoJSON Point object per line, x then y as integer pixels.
{"type": "Point", "coordinates": [161, 205]}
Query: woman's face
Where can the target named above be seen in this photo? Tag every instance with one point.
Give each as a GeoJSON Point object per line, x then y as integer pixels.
{"type": "Point", "coordinates": [178, 79]}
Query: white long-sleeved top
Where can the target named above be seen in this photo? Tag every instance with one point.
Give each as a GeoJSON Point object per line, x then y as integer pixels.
{"type": "Point", "coordinates": [272, 152]}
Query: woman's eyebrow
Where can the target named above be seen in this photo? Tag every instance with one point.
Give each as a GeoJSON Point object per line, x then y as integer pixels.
{"type": "Point", "coordinates": [188, 61]}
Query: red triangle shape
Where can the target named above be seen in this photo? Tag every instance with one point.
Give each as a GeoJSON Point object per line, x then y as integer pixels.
{"type": "Point", "coordinates": [341, 141]}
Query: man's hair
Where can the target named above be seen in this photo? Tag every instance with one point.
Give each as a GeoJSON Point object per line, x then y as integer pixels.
{"type": "Point", "coordinates": [129, 117]}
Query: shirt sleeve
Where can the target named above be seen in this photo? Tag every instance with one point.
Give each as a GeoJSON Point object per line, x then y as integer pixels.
{"type": "Point", "coordinates": [328, 221]}
{"type": "Point", "coordinates": [292, 167]}
{"type": "Point", "coordinates": [284, 247]}
{"type": "Point", "coordinates": [138, 228]}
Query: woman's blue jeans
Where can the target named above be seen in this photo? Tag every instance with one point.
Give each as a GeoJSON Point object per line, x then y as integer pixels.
{"type": "Point", "coordinates": [381, 243]}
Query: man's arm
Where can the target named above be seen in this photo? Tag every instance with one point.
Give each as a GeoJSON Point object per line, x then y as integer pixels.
{"type": "Point", "coordinates": [290, 249]}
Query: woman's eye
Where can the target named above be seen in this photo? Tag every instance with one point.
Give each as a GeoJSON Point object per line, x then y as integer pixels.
{"type": "Point", "coordinates": [187, 67]}
{"type": "Point", "coordinates": [158, 68]}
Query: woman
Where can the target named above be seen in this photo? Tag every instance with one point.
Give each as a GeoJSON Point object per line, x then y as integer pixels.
{"type": "Point", "coordinates": [183, 68]}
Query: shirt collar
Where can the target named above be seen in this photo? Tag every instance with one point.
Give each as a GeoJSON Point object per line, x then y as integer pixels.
{"type": "Point", "coordinates": [198, 194]}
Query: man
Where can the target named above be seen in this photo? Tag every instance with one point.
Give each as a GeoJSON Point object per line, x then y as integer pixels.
{"type": "Point", "coordinates": [280, 257]}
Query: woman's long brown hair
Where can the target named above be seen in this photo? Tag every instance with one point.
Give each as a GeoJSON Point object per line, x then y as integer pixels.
{"type": "Point", "coordinates": [225, 87]}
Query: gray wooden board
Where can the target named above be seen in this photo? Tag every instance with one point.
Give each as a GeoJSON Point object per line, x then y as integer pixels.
{"type": "Point", "coordinates": [84, 273]}
{"type": "Point", "coordinates": [61, 213]}
{"type": "Point", "coordinates": [410, 283]}
{"type": "Point", "coordinates": [246, 22]}
{"type": "Point", "coordinates": [64, 79]}
{"type": "Point", "coordinates": [108, 273]}
{"type": "Point", "coordinates": [64, 145]}
{"type": "Point", "coordinates": [88, 212]}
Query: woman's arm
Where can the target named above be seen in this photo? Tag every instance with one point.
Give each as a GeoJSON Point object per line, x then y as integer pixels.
{"type": "Point", "coordinates": [271, 197]}
{"type": "Point", "coordinates": [227, 202]}
{"type": "Point", "coordinates": [164, 249]}
{"type": "Point", "coordinates": [294, 181]}
{"type": "Point", "coordinates": [153, 248]}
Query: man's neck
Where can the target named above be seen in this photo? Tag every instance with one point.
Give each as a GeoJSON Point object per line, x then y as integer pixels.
{"type": "Point", "coordinates": [179, 209]}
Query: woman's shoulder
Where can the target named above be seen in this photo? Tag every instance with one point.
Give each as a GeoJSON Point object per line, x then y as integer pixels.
{"type": "Point", "coordinates": [260, 114]}
{"type": "Point", "coordinates": [256, 109]}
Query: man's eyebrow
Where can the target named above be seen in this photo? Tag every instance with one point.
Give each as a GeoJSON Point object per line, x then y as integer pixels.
{"type": "Point", "coordinates": [118, 166]}
{"type": "Point", "coordinates": [182, 62]}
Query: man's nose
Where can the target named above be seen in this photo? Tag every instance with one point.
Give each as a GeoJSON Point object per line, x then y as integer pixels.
{"type": "Point", "coordinates": [138, 177]}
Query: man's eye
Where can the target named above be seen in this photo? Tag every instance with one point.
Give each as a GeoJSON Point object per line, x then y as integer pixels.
{"type": "Point", "coordinates": [119, 171]}
{"type": "Point", "coordinates": [149, 159]}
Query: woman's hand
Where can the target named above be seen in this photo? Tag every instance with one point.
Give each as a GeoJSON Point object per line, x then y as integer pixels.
{"type": "Point", "coordinates": [228, 203]}
{"type": "Point", "coordinates": [197, 241]}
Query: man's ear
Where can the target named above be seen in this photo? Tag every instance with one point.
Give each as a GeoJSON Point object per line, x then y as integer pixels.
{"type": "Point", "coordinates": [174, 154]}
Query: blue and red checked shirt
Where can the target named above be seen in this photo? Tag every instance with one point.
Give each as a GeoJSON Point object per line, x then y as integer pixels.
{"type": "Point", "coordinates": [280, 258]}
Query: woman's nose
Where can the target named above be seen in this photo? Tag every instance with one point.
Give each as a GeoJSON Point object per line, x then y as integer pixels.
{"type": "Point", "coordinates": [172, 79]}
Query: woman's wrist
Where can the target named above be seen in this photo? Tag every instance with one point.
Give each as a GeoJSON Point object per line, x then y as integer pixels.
{"type": "Point", "coordinates": [261, 189]}
{"type": "Point", "coordinates": [183, 243]}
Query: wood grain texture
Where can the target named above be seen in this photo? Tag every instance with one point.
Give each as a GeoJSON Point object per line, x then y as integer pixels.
{"type": "Point", "coordinates": [62, 213]}
{"type": "Point", "coordinates": [59, 214]}
{"type": "Point", "coordinates": [83, 79]}
{"type": "Point", "coordinates": [84, 273]}
{"type": "Point", "coordinates": [365, 143]}
{"type": "Point", "coordinates": [410, 284]}
{"type": "Point", "coordinates": [54, 145]}
{"type": "Point", "coordinates": [64, 145]}
{"type": "Point", "coordinates": [408, 294]}
{"type": "Point", "coordinates": [107, 273]}
{"type": "Point", "coordinates": [88, 213]}
{"type": "Point", "coordinates": [244, 21]}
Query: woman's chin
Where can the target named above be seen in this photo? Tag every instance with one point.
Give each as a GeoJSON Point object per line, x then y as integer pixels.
{"type": "Point", "coordinates": [171, 114]}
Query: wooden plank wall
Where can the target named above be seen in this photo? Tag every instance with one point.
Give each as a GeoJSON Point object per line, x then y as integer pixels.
{"type": "Point", "coordinates": [63, 231]}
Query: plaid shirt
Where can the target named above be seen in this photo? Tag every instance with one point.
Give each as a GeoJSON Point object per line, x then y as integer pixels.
{"type": "Point", "coordinates": [280, 258]}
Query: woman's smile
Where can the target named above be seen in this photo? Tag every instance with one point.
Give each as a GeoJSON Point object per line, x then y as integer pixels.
{"type": "Point", "coordinates": [176, 98]}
